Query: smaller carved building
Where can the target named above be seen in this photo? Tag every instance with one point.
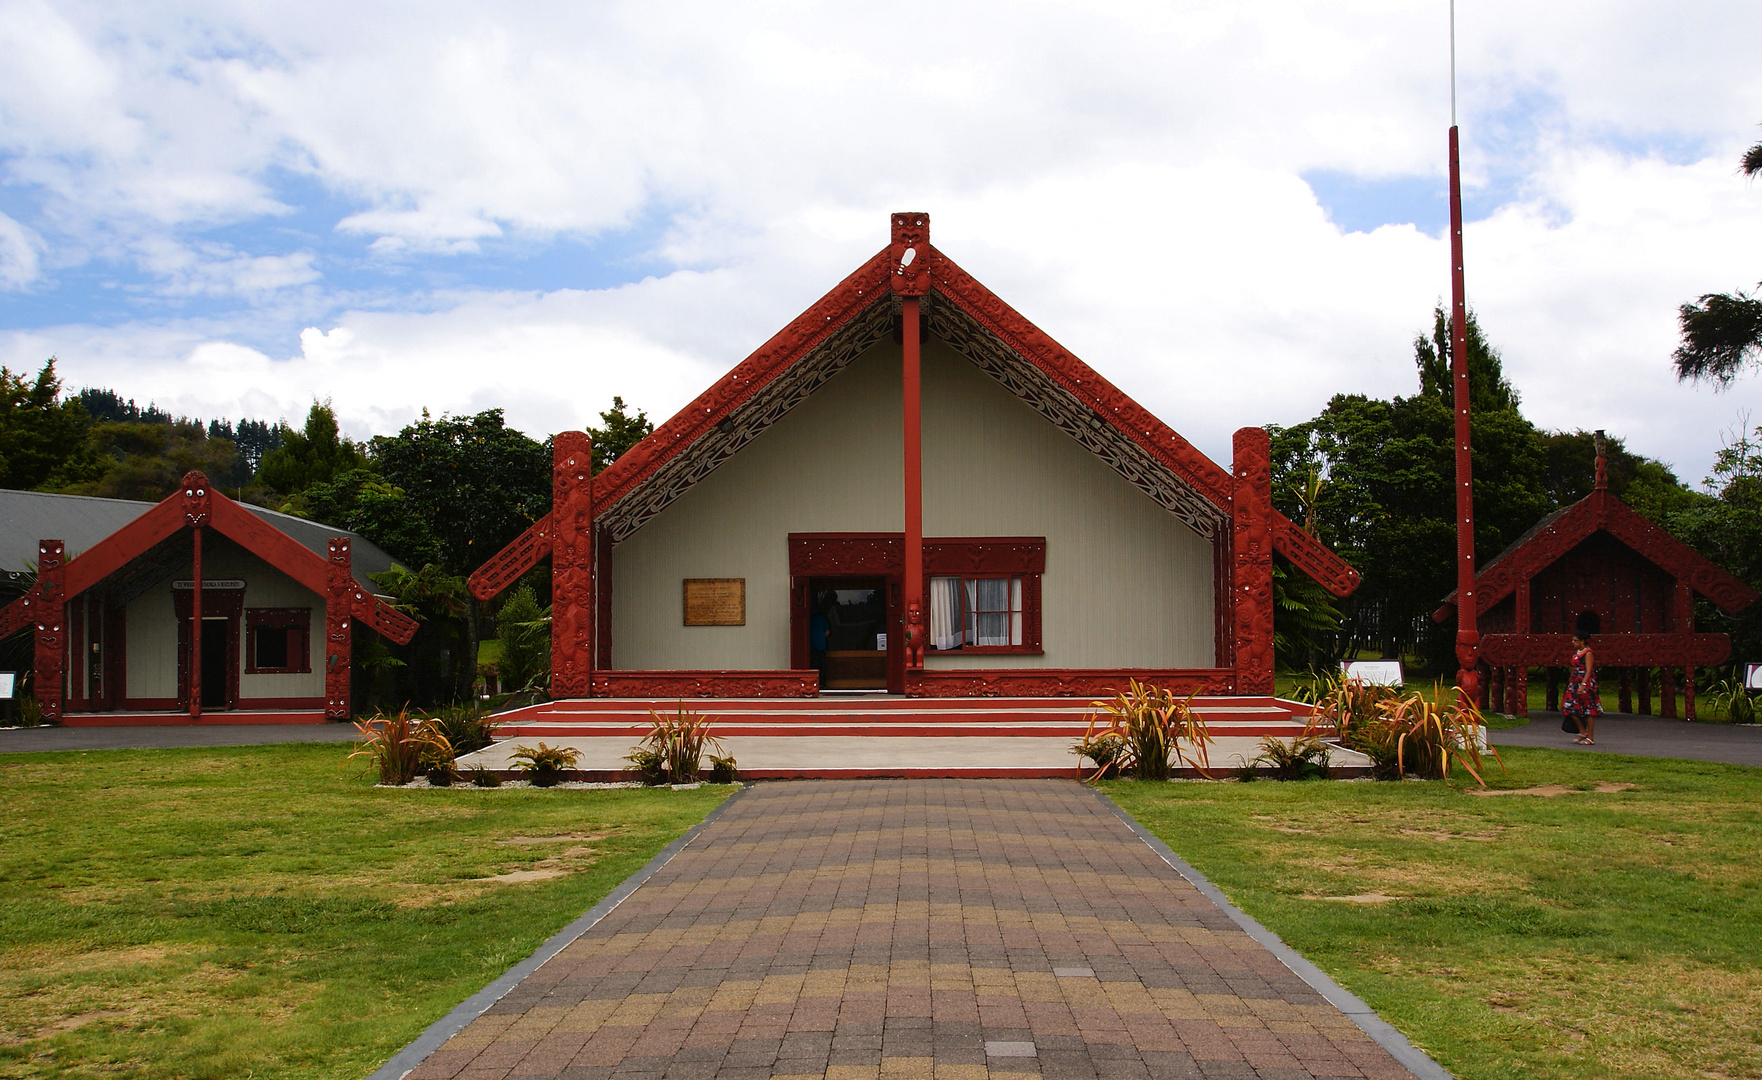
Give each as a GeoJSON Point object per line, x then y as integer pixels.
{"type": "Point", "coordinates": [1598, 567]}
{"type": "Point", "coordinates": [194, 605]}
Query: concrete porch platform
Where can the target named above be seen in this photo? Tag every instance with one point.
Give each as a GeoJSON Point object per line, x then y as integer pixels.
{"type": "Point", "coordinates": [794, 757]}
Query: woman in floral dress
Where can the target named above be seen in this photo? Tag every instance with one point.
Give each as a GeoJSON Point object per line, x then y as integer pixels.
{"type": "Point", "coordinates": [1582, 704]}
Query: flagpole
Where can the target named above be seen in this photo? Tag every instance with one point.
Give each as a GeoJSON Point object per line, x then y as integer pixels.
{"type": "Point", "coordinates": [1468, 638]}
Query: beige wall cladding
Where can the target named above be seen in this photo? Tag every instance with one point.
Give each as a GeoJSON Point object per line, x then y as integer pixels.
{"type": "Point", "coordinates": [1126, 584]}
{"type": "Point", "coordinates": [831, 465]}
{"type": "Point", "coordinates": [152, 626]}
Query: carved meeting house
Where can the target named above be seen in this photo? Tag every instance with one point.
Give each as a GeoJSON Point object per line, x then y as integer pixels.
{"type": "Point", "coordinates": [911, 489]}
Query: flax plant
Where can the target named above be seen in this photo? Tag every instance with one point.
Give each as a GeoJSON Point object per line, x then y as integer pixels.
{"type": "Point", "coordinates": [1143, 731]}
{"type": "Point", "coordinates": [400, 745]}
{"type": "Point", "coordinates": [677, 745]}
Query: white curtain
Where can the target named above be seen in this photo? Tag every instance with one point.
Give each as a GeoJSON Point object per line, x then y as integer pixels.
{"type": "Point", "coordinates": [945, 608]}
{"type": "Point", "coordinates": [988, 611]}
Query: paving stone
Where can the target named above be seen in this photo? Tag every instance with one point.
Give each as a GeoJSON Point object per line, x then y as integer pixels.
{"type": "Point", "coordinates": [914, 930]}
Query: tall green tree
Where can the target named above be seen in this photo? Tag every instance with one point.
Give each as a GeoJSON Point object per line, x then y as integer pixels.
{"type": "Point", "coordinates": [42, 435]}
{"type": "Point", "coordinates": [313, 455]}
{"type": "Point", "coordinates": [147, 461]}
{"type": "Point", "coordinates": [477, 482]}
{"type": "Point", "coordinates": [1725, 525]}
{"type": "Point", "coordinates": [620, 431]}
{"type": "Point", "coordinates": [1722, 332]}
{"type": "Point", "coordinates": [1388, 503]}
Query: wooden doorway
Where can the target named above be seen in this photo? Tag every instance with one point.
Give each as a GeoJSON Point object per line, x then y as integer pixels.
{"type": "Point", "coordinates": [221, 611]}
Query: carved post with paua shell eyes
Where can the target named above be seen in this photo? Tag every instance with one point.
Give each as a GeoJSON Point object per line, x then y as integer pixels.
{"type": "Point", "coordinates": [572, 566]}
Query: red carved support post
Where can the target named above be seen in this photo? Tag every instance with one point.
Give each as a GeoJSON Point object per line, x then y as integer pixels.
{"type": "Point", "coordinates": [338, 655]}
{"type": "Point", "coordinates": [50, 663]}
{"type": "Point", "coordinates": [1251, 584]}
{"type": "Point", "coordinates": [910, 250]}
{"type": "Point", "coordinates": [1688, 693]}
{"type": "Point", "coordinates": [1468, 638]}
{"type": "Point", "coordinates": [572, 566]}
{"type": "Point", "coordinates": [196, 498]}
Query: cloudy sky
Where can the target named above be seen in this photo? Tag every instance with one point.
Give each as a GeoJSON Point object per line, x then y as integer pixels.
{"type": "Point", "coordinates": [1233, 211]}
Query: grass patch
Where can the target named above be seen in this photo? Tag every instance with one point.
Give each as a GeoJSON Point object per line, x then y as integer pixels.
{"type": "Point", "coordinates": [267, 912]}
{"type": "Point", "coordinates": [1613, 933]}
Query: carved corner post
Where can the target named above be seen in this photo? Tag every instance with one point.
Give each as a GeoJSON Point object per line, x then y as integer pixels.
{"type": "Point", "coordinates": [572, 566]}
{"type": "Point", "coordinates": [50, 662]}
{"type": "Point", "coordinates": [911, 280]}
{"type": "Point", "coordinates": [338, 654]}
{"type": "Point", "coordinates": [1688, 692]}
{"type": "Point", "coordinates": [1645, 680]}
{"type": "Point", "coordinates": [1624, 701]}
{"type": "Point", "coordinates": [196, 497]}
{"type": "Point", "coordinates": [1251, 579]}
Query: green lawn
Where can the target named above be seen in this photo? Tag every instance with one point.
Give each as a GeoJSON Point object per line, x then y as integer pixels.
{"type": "Point", "coordinates": [1589, 934]}
{"type": "Point", "coordinates": [267, 912]}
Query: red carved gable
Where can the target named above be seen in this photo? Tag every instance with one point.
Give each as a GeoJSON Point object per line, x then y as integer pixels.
{"type": "Point", "coordinates": [1558, 534]}
{"type": "Point", "coordinates": [856, 314]}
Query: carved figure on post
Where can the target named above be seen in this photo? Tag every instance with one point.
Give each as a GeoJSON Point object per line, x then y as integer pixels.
{"type": "Point", "coordinates": [572, 566]}
{"type": "Point", "coordinates": [1251, 592]}
{"type": "Point", "coordinates": [338, 656]}
{"type": "Point", "coordinates": [51, 628]}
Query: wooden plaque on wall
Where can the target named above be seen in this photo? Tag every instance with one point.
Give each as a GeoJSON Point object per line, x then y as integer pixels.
{"type": "Point", "coordinates": [715, 601]}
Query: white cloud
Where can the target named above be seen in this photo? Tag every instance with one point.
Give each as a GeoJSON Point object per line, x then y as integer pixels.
{"type": "Point", "coordinates": [18, 254]}
{"type": "Point", "coordinates": [1126, 174]}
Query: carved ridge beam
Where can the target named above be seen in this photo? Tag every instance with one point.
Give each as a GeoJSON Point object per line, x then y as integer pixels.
{"type": "Point", "coordinates": [1080, 380]}
{"type": "Point", "coordinates": [520, 555]}
{"type": "Point", "coordinates": [742, 421]}
{"type": "Point", "coordinates": [844, 301]}
{"type": "Point", "coordinates": [1313, 558]}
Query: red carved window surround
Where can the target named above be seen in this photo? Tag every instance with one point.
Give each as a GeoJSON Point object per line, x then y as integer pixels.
{"type": "Point", "coordinates": [295, 624]}
{"type": "Point", "coordinates": [968, 557]}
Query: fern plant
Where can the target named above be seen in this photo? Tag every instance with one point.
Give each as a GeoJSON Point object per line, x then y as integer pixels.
{"type": "Point", "coordinates": [545, 765]}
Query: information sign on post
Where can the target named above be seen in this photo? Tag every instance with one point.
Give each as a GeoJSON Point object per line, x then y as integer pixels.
{"type": "Point", "coordinates": [1373, 672]}
{"type": "Point", "coordinates": [1753, 676]}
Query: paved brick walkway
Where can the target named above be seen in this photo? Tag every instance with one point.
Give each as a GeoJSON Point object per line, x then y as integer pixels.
{"type": "Point", "coordinates": [935, 929]}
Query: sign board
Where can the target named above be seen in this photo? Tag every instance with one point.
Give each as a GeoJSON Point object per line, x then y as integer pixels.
{"type": "Point", "coordinates": [715, 601]}
{"type": "Point", "coordinates": [6, 683]}
{"type": "Point", "coordinates": [1373, 672]}
{"type": "Point", "coordinates": [207, 585]}
{"type": "Point", "coordinates": [1753, 676]}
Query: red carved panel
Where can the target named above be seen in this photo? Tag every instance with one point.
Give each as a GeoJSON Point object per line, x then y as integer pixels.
{"type": "Point", "coordinates": [878, 554]}
{"type": "Point", "coordinates": [1308, 555]}
{"type": "Point", "coordinates": [572, 565]}
{"type": "Point", "coordinates": [680, 685]}
{"type": "Point", "coordinates": [505, 567]}
{"type": "Point", "coordinates": [909, 252]}
{"type": "Point", "coordinates": [1062, 682]}
{"type": "Point", "coordinates": [1252, 575]}
{"type": "Point", "coordinates": [1617, 650]}
{"type": "Point", "coordinates": [884, 553]}
{"type": "Point", "coordinates": [22, 612]}
{"type": "Point", "coordinates": [50, 610]}
{"type": "Point", "coordinates": [338, 656]}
